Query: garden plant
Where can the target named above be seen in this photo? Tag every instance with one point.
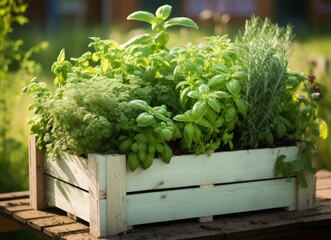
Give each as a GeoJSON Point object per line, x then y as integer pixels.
{"type": "Point", "coordinates": [145, 100]}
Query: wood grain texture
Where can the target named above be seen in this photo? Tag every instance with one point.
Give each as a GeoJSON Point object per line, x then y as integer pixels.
{"type": "Point", "coordinates": [116, 194]}
{"type": "Point", "coordinates": [41, 223]}
{"type": "Point", "coordinates": [24, 216]}
{"type": "Point", "coordinates": [306, 197]}
{"type": "Point", "coordinates": [68, 198]}
{"type": "Point", "coordinates": [221, 167]}
{"type": "Point", "coordinates": [67, 228]}
{"type": "Point", "coordinates": [14, 195]}
{"type": "Point", "coordinates": [36, 175]}
{"type": "Point", "coordinates": [223, 199]}
{"type": "Point", "coordinates": [97, 194]}
{"type": "Point", "coordinates": [69, 168]}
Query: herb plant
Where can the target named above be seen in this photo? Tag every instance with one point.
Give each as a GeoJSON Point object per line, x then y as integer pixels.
{"type": "Point", "coordinates": [145, 100]}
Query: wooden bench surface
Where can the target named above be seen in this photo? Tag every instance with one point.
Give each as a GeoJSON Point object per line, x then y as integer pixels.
{"type": "Point", "coordinates": [16, 214]}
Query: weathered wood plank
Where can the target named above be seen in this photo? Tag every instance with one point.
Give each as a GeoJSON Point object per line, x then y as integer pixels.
{"type": "Point", "coordinates": [324, 193]}
{"type": "Point", "coordinates": [13, 203]}
{"type": "Point", "coordinates": [206, 218]}
{"type": "Point", "coordinates": [222, 199]}
{"type": "Point", "coordinates": [36, 175]}
{"type": "Point", "coordinates": [116, 194]}
{"type": "Point", "coordinates": [11, 209]}
{"type": "Point", "coordinates": [64, 229]}
{"type": "Point", "coordinates": [68, 198]}
{"type": "Point", "coordinates": [306, 197]}
{"type": "Point", "coordinates": [69, 168]}
{"type": "Point", "coordinates": [323, 174]}
{"type": "Point", "coordinates": [14, 195]}
{"type": "Point", "coordinates": [41, 223]}
{"type": "Point", "coordinates": [323, 183]}
{"type": "Point", "coordinates": [221, 167]}
{"type": "Point", "coordinates": [80, 236]}
{"type": "Point", "coordinates": [24, 216]}
{"type": "Point", "coordinates": [97, 194]}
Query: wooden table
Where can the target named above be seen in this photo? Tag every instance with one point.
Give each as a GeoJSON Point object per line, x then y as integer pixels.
{"type": "Point", "coordinates": [16, 214]}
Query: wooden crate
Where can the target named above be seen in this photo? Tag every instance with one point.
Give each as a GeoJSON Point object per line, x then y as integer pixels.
{"type": "Point", "coordinates": [102, 191]}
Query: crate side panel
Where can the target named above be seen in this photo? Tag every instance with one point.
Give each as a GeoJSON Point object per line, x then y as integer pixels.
{"type": "Point", "coordinates": [221, 167]}
{"type": "Point", "coordinates": [223, 199]}
{"type": "Point", "coordinates": [68, 198]}
{"type": "Point", "coordinates": [97, 195]}
{"type": "Point", "coordinates": [69, 168]}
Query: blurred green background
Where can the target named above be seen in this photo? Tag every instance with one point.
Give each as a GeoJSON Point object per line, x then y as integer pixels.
{"type": "Point", "coordinates": [69, 24]}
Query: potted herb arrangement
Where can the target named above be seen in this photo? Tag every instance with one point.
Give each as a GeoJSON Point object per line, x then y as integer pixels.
{"type": "Point", "coordinates": [138, 132]}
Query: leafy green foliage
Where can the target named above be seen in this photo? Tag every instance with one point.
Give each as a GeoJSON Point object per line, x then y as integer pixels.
{"type": "Point", "coordinates": [209, 84]}
{"type": "Point", "coordinates": [159, 24]}
{"type": "Point", "coordinates": [263, 49]}
{"type": "Point", "coordinates": [144, 100]}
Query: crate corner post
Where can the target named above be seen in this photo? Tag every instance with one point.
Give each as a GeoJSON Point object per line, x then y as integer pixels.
{"type": "Point", "coordinates": [36, 175]}
{"type": "Point", "coordinates": [97, 194]}
{"type": "Point", "coordinates": [306, 197]}
{"type": "Point", "coordinates": [116, 194]}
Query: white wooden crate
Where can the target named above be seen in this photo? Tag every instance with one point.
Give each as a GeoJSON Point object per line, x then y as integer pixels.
{"type": "Point", "coordinates": [102, 191]}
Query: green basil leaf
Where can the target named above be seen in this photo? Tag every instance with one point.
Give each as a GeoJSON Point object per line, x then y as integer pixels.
{"type": "Point", "coordinates": [189, 130]}
{"type": "Point", "coordinates": [242, 106]}
{"type": "Point", "coordinates": [214, 104]}
{"type": "Point", "coordinates": [219, 122]}
{"type": "Point", "coordinates": [221, 68]}
{"type": "Point", "coordinates": [230, 114]}
{"type": "Point", "coordinates": [204, 122]}
{"type": "Point", "coordinates": [217, 82]}
{"type": "Point", "coordinates": [190, 66]}
{"type": "Point", "coordinates": [140, 104]}
{"type": "Point", "coordinates": [140, 40]}
{"type": "Point", "coordinates": [234, 87]}
{"type": "Point", "coordinates": [181, 21]}
{"type": "Point", "coordinates": [143, 17]}
{"type": "Point", "coordinates": [163, 12]}
{"type": "Point", "coordinates": [182, 118]}
{"type": "Point", "coordinates": [194, 94]}
{"type": "Point", "coordinates": [221, 94]}
{"type": "Point", "coordinates": [183, 97]}
{"type": "Point", "coordinates": [199, 109]}
{"type": "Point", "coordinates": [203, 88]}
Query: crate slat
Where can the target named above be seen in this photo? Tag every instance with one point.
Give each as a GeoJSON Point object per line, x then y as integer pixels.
{"type": "Point", "coordinates": [69, 168]}
{"type": "Point", "coordinates": [223, 199]}
{"type": "Point", "coordinates": [68, 198]}
{"type": "Point", "coordinates": [220, 167]}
